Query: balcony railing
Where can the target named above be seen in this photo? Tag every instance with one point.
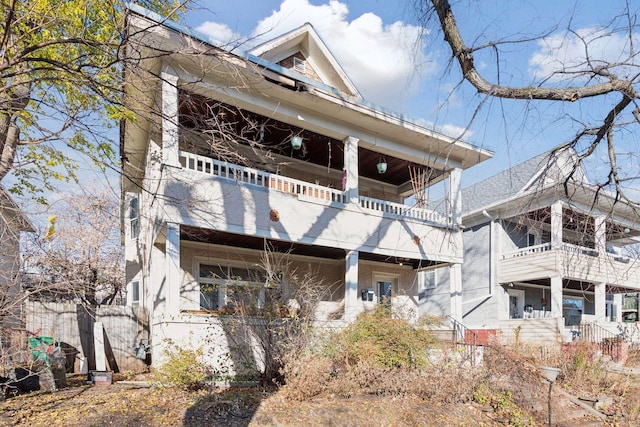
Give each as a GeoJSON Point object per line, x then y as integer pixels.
{"type": "Point", "coordinates": [565, 247]}
{"type": "Point", "coordinates": [304, 190]}
{"type": "Point", "coordinates": [260, 178]}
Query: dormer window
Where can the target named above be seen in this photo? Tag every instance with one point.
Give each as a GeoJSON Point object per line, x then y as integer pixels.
{"type": "Point", "coordinates": [299, 65]}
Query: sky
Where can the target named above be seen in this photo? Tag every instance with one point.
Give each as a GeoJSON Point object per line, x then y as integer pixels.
{"type": "Point", "coordinates": [400, 63]}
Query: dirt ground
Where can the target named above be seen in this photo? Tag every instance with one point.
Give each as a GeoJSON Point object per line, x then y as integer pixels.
{"type": "Point", "coordinates": [136, 403]}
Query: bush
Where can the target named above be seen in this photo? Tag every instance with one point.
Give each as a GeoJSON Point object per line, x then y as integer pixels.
{"type": "Point", "coordinates": [184, 368]}
{"type": "Point", "coordinates": [377, 339]}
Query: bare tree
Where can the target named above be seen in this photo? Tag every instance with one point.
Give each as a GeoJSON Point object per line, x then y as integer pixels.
{"type": "Point", "coordinates": [77, 256]}
{"type": "Point", "coordinates": [611, 83]}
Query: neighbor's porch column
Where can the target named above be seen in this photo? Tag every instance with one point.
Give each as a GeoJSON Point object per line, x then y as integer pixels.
{"type": "Point", "coordinates": [600, 301]}
{"type": "Point", "coordinates": [556, 296]}
{"type": "Point", "coordinates": [600, 231]}
{"type": "Point", "coordinates": [172, 267]}
{"type": "Point", "coordinates": [455, 287]}
{"type": "Point", "coordinates": [350, 178]}
{"type": "Point", "coordinates": [617, 308]}
{"type": "Point", "coordinates": [556, 224]}
{"type": "Point", "coordinates": [351, 286]}
{"type": "Point", "coordinates": [455, 196]}
{"type": "Point", "coordinates": [170, 148]}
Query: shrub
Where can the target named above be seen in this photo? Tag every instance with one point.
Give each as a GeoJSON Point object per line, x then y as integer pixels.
{"type": "Point", "coordinates": [184, 368]}
{"type": "Point", "coordinates": [377, 339]}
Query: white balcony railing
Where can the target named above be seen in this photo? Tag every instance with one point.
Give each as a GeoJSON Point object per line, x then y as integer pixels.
{"type": "Point", "coordinates": [402, 210]}
{"type": "Point", "coordinates": [252, 176]}
{"type": "Point", "coordinates": [304, 190]}
{"type": "Point", "coordinates": [527, 251]}
{"type": "Point", "coordinates": [565, 247]}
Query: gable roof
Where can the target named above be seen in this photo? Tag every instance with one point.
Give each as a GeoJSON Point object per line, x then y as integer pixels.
{"type": "Point", "coordinates": [11, 213]}
{"type": "Point", "coordinates": [544, 170]}
{"type": "Point", "coordinates": [304, 41]}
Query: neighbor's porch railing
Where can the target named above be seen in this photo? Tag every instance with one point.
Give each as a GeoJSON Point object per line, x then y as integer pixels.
{"type": "Point", "coordinates": [466, 338]}
{"type": "Point", "coordinates": [566, 247]}
{"type": "Point", "coordinates": [303, 189]}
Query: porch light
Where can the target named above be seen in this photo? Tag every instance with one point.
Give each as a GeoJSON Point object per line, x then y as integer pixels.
{"type": "Point", "coordinates": [627, 230]}
{"type": "Point", "coordinates": [296, 142]}
{"type": "Point", "coordinates": [382, 165]}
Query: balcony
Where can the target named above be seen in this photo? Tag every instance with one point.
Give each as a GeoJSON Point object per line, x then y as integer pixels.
{"type": "Point", "coordinates": [306, 191]}
{"type": "Point", "coordinates": [569, 261]}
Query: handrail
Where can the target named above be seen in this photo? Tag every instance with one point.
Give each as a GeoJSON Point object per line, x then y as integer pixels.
{"type": "Point", "coordinates": [463, 333]}
{"type": "Point", "coordinates": [528, 250]}
{"type": "Point", "coordinates": [592, 332]}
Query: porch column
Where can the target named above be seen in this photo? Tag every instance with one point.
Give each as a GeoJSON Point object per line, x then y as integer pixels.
{"type": "Point", "coordinates": [172, 266]}
{"type": "Point", "coordinates": [455, 196]}
{"type": "Point", "coordinates": [600, 229]}
{"type": "Point", "coordinates": [170, 149]}
{"type": "Point", "coordinates": [617, 307]}
{"type": "Point", "coordinates": [556, 224]}
{"type": "Point", "coordinates": [455, 286]}
{"type": "Point", "coordinates": [350, 178]}
{"type": "Point", "coordinates": [556, 296]}
{"type": "Point", "coordinates": [351, 286]}
{"type": "Point", "coordinates": [600, 302]}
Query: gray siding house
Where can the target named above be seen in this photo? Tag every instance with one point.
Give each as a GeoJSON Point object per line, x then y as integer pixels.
{"type": "Point", "coordinates": [544, 252]}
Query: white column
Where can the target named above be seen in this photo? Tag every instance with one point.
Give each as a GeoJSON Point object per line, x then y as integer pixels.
{"type": "Point", "coordinates": [351, 168]}
{"type": "Point", "coordinates": [172, 265]}
{"type": "Point", "coordinates": [556, 296]}
{"type": "Point", "coordinates": [98, 345]}
{"type": "Point", "coordinates": [455, 196]}
{"type": "Point", "coordinates": [351, 286]}
{"type": "Point", "coordinates": [556, 224]}
{"type": "Point", "coordinates": [170, 148]}
{"type": "Point", "coordinates": [600, 301]}
{"type": "Point", "coordinates": [600, 229]}
{"type": "Point", "coordinates": [455, 287]}
{"type": "Point", "coordinates": [617, 307]}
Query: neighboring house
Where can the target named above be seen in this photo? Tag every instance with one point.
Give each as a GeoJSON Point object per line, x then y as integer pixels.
{"type": "Point", "coordinates": [273, 148]}
{"type": "Point", "coordinates": [13, 221]}
{"type": "Point", "coordinates": [540, 242]}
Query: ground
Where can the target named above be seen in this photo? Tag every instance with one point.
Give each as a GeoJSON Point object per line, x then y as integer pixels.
{"type": "Point", "coordinates": [138, 403]}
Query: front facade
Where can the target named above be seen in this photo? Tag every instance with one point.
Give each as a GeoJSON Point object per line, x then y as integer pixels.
{"type": "Point", "coordinates": [272, 157]}
{"type": "Point", "coordinates": [544, 251]}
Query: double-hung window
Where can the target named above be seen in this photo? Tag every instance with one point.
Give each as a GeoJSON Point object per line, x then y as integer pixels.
{"type": "Point", "coordinates": [231, 289]}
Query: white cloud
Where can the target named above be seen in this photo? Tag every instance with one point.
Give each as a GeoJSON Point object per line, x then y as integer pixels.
{"type": "Point", "coordinates": [447, 129]}
{"type": "Point", "coordinates": [568, 52]}
{"type": "Point", "coordinates": [219, 33]}
{"type": "Point", "coordinates": [386, 62]}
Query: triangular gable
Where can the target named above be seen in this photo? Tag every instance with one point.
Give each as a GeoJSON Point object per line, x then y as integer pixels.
{"type": "Point", "coordinates": [555, 168]}
{"type": "Point", "coordinates": [303, 51]}
{"type": "Point", "coordinates": [11, 213]}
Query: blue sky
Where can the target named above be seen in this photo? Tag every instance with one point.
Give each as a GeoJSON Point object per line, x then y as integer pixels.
{"type": "Point", "coordinates": [399, 64]}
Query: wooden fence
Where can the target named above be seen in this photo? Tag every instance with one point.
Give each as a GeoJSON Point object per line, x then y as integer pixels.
{"type": "Point", "coordinates": [72, 325]}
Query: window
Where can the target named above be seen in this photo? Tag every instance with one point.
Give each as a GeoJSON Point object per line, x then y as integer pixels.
{"type": "Point", "coordinates": [135, 292]}
{"type": "Point", "coordinates": [572, 308]}
{"type": "Point", "coordinates": [299, 65]}
{"type": "Point", "coordinates": [134, 217]}
{"type": "Point", "coordinates": [531, 239]}
{"type": "Point", "coordinates": [231, 289]}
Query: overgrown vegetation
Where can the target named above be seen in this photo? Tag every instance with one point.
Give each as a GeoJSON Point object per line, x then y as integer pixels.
{"type": "Point", "coordinates": [184, 368]}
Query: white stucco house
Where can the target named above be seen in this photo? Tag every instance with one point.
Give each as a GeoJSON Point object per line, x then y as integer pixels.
{"type": "Point", "coordinates": [236, 151]}
{"type": "Point", "coordinates": [544, 252]}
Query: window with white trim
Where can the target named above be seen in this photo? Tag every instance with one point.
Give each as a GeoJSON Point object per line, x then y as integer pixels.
{"type": "Point", "coordinates": [134, 216]}
{"type": "Point", "coordinates": [135, 292]}
{"type": "Point", "coordinates": [427, 280]}
{"type": "Point", "coordinates": [231, 289]}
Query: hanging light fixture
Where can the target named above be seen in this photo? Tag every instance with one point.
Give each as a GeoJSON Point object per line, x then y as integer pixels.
{"type": "Point", "coordinates": [296, 142]}
{"type": "Point", "coordinates": [382, 165]}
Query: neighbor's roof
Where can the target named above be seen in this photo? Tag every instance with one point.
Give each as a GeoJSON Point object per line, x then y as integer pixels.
{"type": "Point", "coordinates": [12, 214]}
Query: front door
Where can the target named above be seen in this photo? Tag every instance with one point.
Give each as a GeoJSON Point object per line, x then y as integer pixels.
{"type": "Point", "coordinates": [385, 290]}
{"type": "Point", "coordinates": [516, 303]}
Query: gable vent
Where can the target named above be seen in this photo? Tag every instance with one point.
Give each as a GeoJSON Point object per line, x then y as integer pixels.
{"type": "Point", "coordinates": [299, 65]}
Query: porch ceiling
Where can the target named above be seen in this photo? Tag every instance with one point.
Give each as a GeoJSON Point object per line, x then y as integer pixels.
{"type": "Point", "coordinates": [232, 126]}
{"type": "Point", "coordinates": [204, 235]}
